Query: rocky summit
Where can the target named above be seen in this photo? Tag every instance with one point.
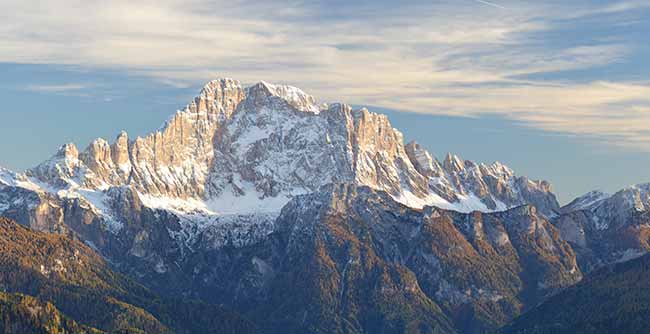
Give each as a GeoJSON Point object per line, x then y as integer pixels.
{"type": "Point", "coordinates": [311, 217]}
{"type": "Point", "coordinates": [237, 150]}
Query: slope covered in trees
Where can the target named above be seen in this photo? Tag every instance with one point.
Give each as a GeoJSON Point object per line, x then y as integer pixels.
{"type": "Point", "coordinates": [27, 315]}
{"type": "Point", "coordinates": [614, 299]}
{"type": "Point", "coordinates": [60, 275]}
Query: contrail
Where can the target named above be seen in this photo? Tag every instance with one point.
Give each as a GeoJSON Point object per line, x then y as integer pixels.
{"type": "Point", "coordinates": [490, 4]}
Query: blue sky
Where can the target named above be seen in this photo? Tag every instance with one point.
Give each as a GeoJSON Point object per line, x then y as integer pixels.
{"type": "Point", "coordinates": [556, 90]}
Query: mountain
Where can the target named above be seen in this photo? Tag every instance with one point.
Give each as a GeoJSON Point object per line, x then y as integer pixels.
{"type": "Point", "coordinates": [240, 150]}
{"type": "Point", "coordinates": [614, 299]}
{"type": "Point", "coordinates": [225, 165]}
{"type": "Point", "coordinates": [605, 228]}
{"type": "Point", "coordinates": [304, 216]}
{"type": "Point", "coordinates": [352, 259]}
{"type": "Point", "coordinates": [59, 275]}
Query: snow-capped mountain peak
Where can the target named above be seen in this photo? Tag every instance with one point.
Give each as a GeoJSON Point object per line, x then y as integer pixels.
{"type": "Point", "coordinates": [608, 228]}
{"type": "Point", "coordinates": [635, 197]}
{"type": "Point", "coordinates": [235, 150]}
{"type": "Point", "coordinates": [292, 95]}
{"type": "Point", "coordinates": [587, 201]}
{"type": "Point", "coordinates": [607, 212]}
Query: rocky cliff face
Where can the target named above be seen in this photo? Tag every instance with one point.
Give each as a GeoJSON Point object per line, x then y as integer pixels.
{"type": "Point", "coordinates": [173, 161]}
{"type": "Point", "coordinates": [495, 186]}
{"type": "Point", "coordinates": [605, 228]}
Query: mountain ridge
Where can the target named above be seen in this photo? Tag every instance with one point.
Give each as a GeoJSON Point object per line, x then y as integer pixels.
{"type": "Point", "coordinates": [606, 228]}
{"type": "Point", "coordinates": [177, 160]}
{"type": "Point", "coordinates": [346, 244]}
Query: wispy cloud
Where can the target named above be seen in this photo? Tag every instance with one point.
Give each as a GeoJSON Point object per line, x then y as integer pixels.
{"type": "Point", "coordinates": [490, 4]}
{"type": "Point", "coordinates": [612, 8]}
{"type": "Point", "coordinates": [61, 88]}
{"type": "Point", "coordinates": [442, 57]}
{"type": "Point", "coordinates": [609, 112]}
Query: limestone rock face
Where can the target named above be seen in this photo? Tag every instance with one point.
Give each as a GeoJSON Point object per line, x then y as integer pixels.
{"type": "Point", "coordinates": [120, 149]}
{"type": "Point", "coordinates": [173, 161]}
{"type": "Point", "coordinates": [287, 150]}
{"type": "Point", "coordinates": [495, 185]}
{"type": "Point", "coordinates": [426, 164]}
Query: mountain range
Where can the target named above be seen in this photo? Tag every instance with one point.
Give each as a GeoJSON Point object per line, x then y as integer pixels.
{"type": "Point", "coordinates": [262, 203]}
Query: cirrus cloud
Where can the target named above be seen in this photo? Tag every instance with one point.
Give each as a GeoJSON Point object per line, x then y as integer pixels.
{"type": "Point", "coordinates": [441, 57]}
